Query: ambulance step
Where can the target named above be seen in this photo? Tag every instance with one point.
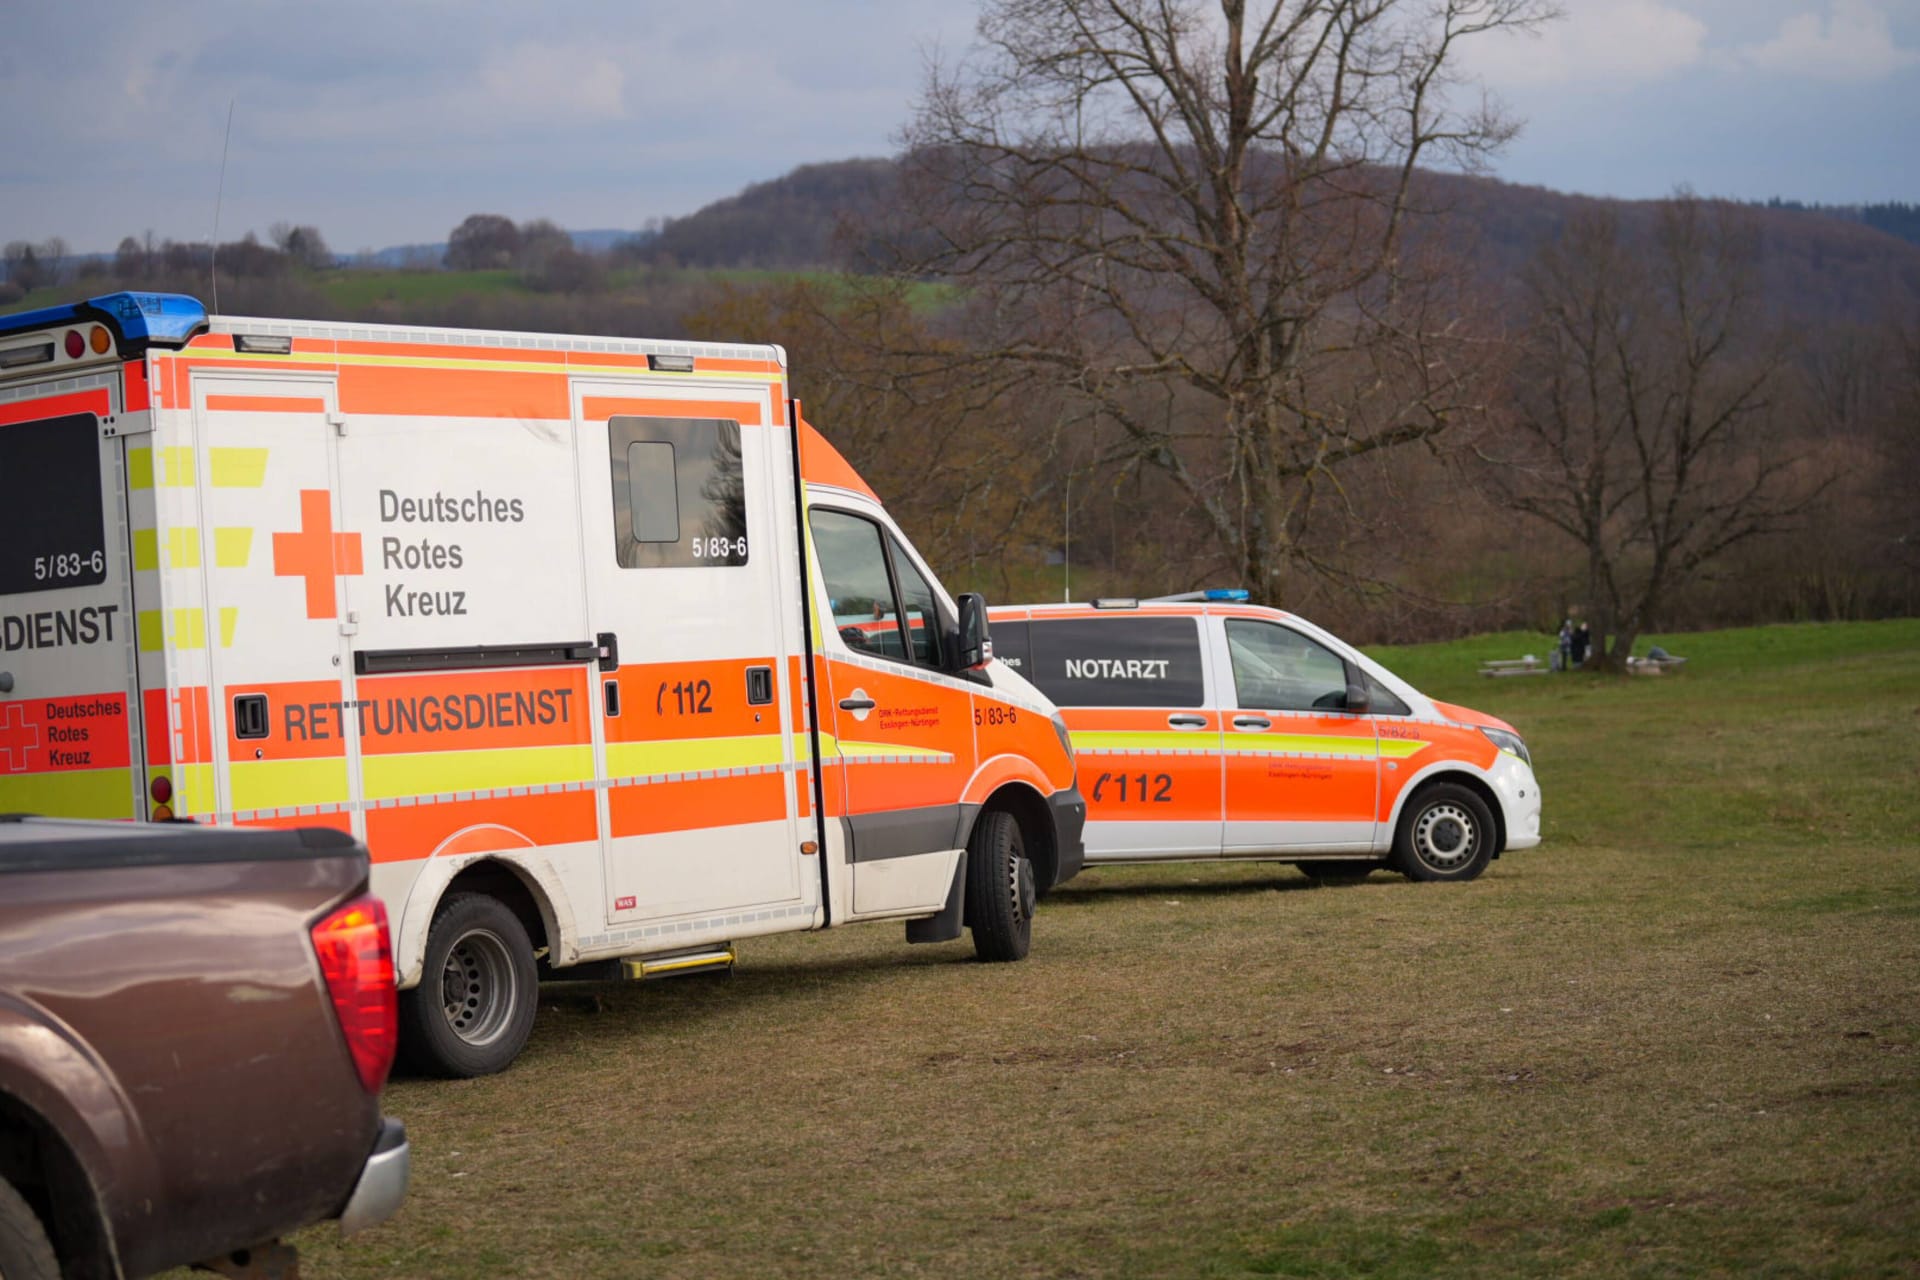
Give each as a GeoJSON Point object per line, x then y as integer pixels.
{"type": "Point", "coordinates": [679, 963]}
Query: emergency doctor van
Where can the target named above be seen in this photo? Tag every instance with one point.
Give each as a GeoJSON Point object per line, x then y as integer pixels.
{"type": "Point", "coordinates": [1207, 727]}
{"type": "Point", "coordinates": [609, 657]}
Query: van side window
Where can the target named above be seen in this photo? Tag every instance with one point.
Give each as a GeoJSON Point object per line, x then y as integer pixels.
{"type": "Point", "coordinates": [1116, 662]}
{"type": "Point", "coordinates": [1278, 669]}
{"type": "Point", "coordinates": [679, 492]}
{"type": "Point", "coordinates": [1382, 701]}
{"type": "Point", "coordinates": [853, 567]}
{"type": "Point", "coordinates": [919, 607]}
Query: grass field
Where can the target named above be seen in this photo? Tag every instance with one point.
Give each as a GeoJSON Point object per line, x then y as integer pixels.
{"type": "Point", "coordinates": [352, 291]}
{"type": "Point", "coordinates": [1681, 1037]}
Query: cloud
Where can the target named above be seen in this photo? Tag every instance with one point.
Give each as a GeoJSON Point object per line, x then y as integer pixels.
{"type": "Point", "coordinates": [1598, 42]}
{"type": "Point", "coordinates": [557, 83]}
{"type": "Point", "coordinates": [1853, 42]}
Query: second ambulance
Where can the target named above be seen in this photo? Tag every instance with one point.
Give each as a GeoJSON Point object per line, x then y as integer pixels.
{"type": "Point", "coordinates": [1209, 728]}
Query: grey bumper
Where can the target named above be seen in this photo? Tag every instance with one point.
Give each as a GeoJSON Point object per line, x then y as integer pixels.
{"type": "Point", "coordinates": [383, 1181]}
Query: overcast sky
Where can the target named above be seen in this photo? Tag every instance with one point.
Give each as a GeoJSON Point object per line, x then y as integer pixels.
{"type": "Point", "coordinates": [387, 123]}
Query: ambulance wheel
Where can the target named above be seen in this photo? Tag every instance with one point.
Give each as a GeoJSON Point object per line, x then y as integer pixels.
{"type": "Point", "coordinates": [1000, 888]}
{"type": "Point", "coordinates": [1339, 870]}
{"type": "Point", "coordinates": [1446, 833]}
{"type": "Point", "coordinates": [25, 1253]}
{"type": "Point", "coordinates": [473, 1010]}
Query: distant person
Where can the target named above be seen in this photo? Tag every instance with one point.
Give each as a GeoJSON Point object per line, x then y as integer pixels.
{"type": "Point", "coordinates": [1582, 638]}
{"type": "Point", "coordinates": [1563, 645]}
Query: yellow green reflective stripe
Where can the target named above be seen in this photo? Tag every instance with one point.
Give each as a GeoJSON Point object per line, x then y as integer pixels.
{"type": "Point", "coordinates": [886, 749]}
{"type": "Point", "coordinates": [693, 755]}
{"type": "Point", "coordinates": [192, 787]}
{"type": "Point", "coordinates": [79, 793]}
{"type": "Point", "coordinates": [1115, 740]}
{"type": "Point", "coordinates": [1247, 744]}
{"type": "Point", "coordinates": [237, 468]}
{"type": "Point", "coordinates": [285, 784]}
{"type": "Point", "coordinates": [445, 772]}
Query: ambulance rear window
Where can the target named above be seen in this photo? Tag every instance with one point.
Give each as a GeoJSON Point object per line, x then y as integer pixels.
{"type": "Point", "coordinates": [679, 493]}
{"type": "Point", "coordinates": [52, 532]}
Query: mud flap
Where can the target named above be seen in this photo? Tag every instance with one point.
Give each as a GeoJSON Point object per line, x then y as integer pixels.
{"type": "Point", "coordinates": [945, 926]}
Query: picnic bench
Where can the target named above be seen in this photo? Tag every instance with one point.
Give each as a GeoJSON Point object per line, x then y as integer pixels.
{"type": "Point", "coordinates": [1527, 666]}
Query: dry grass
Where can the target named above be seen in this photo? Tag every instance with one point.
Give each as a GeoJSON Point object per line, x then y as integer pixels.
{"type": "Point", "coordinates": [1679, 1038]}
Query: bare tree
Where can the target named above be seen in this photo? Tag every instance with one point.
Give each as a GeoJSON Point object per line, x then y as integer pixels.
{"type": "Point", "coordinates": [1196, 219]}
{"type": "Point", "coordinates": [1646, 429]}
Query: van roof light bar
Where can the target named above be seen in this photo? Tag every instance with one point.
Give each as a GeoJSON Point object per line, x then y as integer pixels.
{"type": "Point", "coordinates": [1116, 602]}
{"type": "Point", "coordinates": [138, 320]}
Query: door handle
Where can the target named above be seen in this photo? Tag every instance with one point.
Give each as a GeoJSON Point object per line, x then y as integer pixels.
{"type": "Point", "coordinates": [1252, 722]}
{"type": "Point", "coordinates": [857, 704]}
{"type": "Point", "coordinates": [1187, 722]}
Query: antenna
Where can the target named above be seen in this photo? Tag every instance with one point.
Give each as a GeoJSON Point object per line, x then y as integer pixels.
{"type": "Point", "coordinates": [213, 255]}
{"type": "Point", "coordinates": [1066, 555]}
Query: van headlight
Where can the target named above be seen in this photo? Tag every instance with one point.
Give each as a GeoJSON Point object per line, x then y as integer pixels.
{"type": "Point", "coordinates": [1509, 742]}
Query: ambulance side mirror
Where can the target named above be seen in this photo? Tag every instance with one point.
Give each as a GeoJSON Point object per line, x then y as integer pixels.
{"type": "Point", "coordinates": [1358, 699]}
{"type": "Point", "coordinates": [975, 646]}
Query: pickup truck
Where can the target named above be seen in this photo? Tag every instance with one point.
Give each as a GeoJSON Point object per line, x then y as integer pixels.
{"type": "Point", "coordinates": [195, 1026]}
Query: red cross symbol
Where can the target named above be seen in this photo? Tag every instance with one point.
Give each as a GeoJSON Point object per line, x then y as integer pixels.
{"type": "Point", "coordinates": [18, 736]}
{"type": "Point", "coordinates": [316, 553]}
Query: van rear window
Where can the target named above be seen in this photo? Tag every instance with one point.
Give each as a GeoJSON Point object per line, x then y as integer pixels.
{"type": "Point", "coordinates": [52, 531]}
{"type": "Point", "coordinates": [1116, 662]}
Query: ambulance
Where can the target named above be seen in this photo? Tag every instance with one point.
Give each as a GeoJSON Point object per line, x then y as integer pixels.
{"type": "Point", "coordinates": [1207, 727]}
{"type": "Point", "coordinates": [608, 656]}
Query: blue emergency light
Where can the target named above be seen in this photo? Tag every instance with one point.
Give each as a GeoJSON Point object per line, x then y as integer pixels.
{"type": "Point", "coordinates": [168, 319]}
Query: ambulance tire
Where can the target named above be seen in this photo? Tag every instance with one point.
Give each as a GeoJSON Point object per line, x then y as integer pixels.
{"type": "Point", "coordinates": [25, 1252]}
{"type": "Point", "coordinates": [1339, 870]}
{"type": "Point", "coordinates": [1000, 888]}
{"type": "Point", "coordinates": [1445, 833]}
{"type": "Point", "coordinates": [473, 1010]}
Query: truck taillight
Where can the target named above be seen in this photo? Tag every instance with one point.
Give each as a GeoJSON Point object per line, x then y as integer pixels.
{"type": "Point", "coordinates": [357, 961]}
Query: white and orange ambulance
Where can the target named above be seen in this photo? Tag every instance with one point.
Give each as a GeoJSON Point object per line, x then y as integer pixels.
{"type": "Point", "coordinates": [1206, 727]}
{"type": "Point", "coordinates": [608, 656]}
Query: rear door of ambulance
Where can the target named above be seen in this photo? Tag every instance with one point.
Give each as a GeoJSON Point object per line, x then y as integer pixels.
{"type": "Point", "coordinates": [686, 483]}
{"type": "Point", "coordinates": [69, 715]}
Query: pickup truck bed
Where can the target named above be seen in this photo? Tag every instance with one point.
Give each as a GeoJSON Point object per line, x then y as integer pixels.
{"type": "Point", "coordinates": [176, 1078]}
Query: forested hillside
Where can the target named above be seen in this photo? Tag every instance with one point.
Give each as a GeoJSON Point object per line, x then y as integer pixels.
{"type": "Point", "coordinates": [1029, 489]}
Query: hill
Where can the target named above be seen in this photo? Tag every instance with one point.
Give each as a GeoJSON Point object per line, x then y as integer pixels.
{"type": "Point", "coordinates": [1818, 264]}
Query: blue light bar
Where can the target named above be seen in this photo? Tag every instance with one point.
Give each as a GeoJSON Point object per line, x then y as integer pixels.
{"type": "Point", "coordinates": [168, 319]}
{"type": "Point", "coordinates": [1227, 593]}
